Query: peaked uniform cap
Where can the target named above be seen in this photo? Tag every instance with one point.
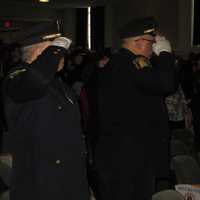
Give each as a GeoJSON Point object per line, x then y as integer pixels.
{"type": "Point", "coordinates": [41, 32]}
{"type": "Point", "coordinates": [138, 26]}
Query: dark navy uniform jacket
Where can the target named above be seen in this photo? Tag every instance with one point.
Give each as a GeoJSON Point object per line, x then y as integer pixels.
{"type": "Point", "coordinates": [133, 120]}
{"type": "Point", "coordinates": [44, 125]}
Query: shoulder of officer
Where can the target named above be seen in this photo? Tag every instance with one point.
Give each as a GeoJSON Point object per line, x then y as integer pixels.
{"type": "Point", "coordinates": [136, 61]}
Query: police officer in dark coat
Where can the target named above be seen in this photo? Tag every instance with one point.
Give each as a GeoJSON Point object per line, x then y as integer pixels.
{"type": "Point", "coordinates": [44, 124]}
{"type": "Point", "coordinates": [132, 148]}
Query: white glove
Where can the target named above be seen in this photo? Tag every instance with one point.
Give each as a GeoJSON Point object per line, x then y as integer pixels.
{"type": "Point", "coordinates": [161, 44]}
{"type": "Point", "coordinates": [62, 42]}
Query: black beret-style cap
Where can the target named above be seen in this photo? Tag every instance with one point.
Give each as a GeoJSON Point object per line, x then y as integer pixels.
{"type": "Point", "coordinates": [138, 26]}
{"type": "Point", "coordinates": [41, 32]}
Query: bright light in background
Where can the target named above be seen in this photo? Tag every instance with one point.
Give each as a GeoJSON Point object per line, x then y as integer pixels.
{"type": "Point", "coordinates": [89, 28]}
{"type": "Point", "coordinates": [44, 1]}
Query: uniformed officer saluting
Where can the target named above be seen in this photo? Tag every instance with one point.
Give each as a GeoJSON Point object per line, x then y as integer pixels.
{"type": "Point", "coordinates": [132, 149]}
{"type": "Point", "coordinates": [44, 123]}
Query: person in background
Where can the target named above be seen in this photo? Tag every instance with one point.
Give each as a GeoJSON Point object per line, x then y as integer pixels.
{"type": "Point", "coordinates": [195, 106]}
{"type": "Point", "coordinates": [132, 147]}
{"type": "Point", "coordinates": [44, 123]}
{"type": "Point", "coordinates": [180, 115]}
{"type": "Point", "coordinates": [89, 109]}
{"type": "Point", "coordinates": [15, 56]}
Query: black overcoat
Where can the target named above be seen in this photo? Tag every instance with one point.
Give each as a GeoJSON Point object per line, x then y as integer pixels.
{"type": "Point", "coordinates": [132, 116]}
{"type": "Point", "coordinates": [44, 126]}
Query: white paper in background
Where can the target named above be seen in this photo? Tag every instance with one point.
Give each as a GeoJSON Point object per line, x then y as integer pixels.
{"type": "Point", "coordinates": [6, 159]}
{"type": "Point", "coordinates": [190, 192]}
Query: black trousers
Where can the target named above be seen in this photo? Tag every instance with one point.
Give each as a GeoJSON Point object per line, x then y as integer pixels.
{"type": "Point", "coordinates": [125, 186]}
{"type": "Point", "coordinates": [177, 124]}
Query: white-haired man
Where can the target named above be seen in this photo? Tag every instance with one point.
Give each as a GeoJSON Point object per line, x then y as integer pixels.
{"type": "Point", "coordinates": [44, 125]}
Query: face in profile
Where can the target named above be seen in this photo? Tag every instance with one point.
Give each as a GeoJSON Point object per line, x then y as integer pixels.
{"type": "Point", "coordinates": [146, 44]}
{"type": "Point", "coordinates": [32, 52]}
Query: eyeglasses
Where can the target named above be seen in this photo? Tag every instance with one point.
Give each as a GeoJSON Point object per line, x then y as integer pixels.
{"type": "Point", "coordinates": [148, 40]}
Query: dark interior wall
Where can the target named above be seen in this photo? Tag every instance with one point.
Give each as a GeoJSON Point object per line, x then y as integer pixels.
{"type": "Point", "coordinates": [184, 26]}
{"type": "Point", "coordinates": [166, 12]}
{"type": "Point", "coordinates": [25, 16]}
{"type": "Point", "coordinates": [81, 27]}
{"type": "Point", "coordinates": [68, 17]}
{"type": "Point", "coordinates": [98, 27]}
{"type": "Point", "coordinates": [27, 12]}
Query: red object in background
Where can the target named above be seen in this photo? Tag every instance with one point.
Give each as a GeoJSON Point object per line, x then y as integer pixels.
{"type": "Point", "coordinates": [7, 24]}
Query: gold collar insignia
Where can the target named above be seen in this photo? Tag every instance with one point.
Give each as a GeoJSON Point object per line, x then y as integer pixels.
{"type": "Point", "coordinates": [141, 62]}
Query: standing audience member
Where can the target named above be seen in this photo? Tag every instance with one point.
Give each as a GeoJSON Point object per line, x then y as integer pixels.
{"type": "Point", "coordinates": [44, 124]}
{"type": "Point", "coordinates": [15, 56]}
{"type": "Point", "coordinates": [132, 147]}
{"type": "Point", "coordinates": [91, 75]}
{"type": "Point", "coordinates": [180, 115]}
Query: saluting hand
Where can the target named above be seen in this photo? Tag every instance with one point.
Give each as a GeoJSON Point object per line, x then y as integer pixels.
{"type": "Point", "coordinates": [62, 42]}
{"type": "Point", "coordinates": [161, 44]}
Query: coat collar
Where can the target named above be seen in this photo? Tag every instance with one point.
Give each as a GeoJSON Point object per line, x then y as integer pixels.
{"type": "Point", "coordinates": [127, 53]}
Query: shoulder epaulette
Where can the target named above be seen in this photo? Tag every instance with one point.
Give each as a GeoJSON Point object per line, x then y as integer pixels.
{"type": "Point", "coordinates": [17, 72]}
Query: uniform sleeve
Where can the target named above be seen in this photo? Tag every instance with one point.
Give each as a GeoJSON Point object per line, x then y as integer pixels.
{"type": "Point", "coordinates": [29, 82]}
{"type": "Point", "coordinates": [160, 79]}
